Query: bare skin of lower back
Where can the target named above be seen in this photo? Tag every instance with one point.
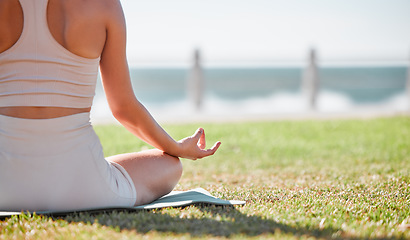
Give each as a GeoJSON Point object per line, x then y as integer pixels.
{"type": "Point", "coordinates": [77, 25]}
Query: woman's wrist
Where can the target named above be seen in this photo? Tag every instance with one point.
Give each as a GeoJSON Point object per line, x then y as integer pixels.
{"type": "Point", "coordinates": [175, 149]}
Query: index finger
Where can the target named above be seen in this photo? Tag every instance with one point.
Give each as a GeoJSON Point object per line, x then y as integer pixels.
{"type": "Point", "coordinates": [211, 151]}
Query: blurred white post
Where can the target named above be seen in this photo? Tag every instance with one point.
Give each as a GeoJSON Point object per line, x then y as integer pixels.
{"type": "Point", "coordinates": [310, 81]}
{"type": "Point", "coordinates": [408, 86]}
{"type": "Point", "coordinates": [196, 82]}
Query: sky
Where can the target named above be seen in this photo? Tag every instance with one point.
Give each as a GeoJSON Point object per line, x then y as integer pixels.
{"type": "Point", "coordinates": [267, 31]}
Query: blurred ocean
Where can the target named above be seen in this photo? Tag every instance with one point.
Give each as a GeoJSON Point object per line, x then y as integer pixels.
{"type": "Point", "coordinates": [246, 91]}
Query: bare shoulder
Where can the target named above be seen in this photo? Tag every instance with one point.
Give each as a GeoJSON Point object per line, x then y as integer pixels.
{"type": "Point", "coordinates": [11, 23]}
{"type": "Point", "coordinates": [3, 6]}
{"type": "Point", "coordinates": [108, 8]}
{"type": "Point", "coordinates": [100, 9]}
{"type": "Point", "coordinates": [7, 5]}
{"type": "Point", "coordinates": [5, 2]}
{"type": "Point", "coordinates": [113, 15]}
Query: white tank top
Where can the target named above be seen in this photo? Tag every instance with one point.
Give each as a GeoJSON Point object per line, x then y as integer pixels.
{"type": "Point", "coordinates": [38, 71]}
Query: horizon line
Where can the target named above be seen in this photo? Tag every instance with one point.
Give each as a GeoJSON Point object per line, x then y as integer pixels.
{"type": "Point", "coordinates": [272, 63]}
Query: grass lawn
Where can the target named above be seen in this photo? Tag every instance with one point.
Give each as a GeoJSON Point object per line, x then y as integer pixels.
{"type": "Point", "coordinates": [300, 179]}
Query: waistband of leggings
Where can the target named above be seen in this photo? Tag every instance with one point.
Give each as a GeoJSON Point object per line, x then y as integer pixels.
{"type": "Point", "coordinates": [66, 123]}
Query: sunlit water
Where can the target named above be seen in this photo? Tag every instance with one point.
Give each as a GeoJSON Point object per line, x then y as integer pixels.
{"type": "Point", "coordinates": [247, 92]}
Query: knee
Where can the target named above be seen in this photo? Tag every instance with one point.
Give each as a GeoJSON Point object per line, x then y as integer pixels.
{"type": "Point", "coordinates": [180, 168]}
{"type": "Point", "coordinates": [175, 165]}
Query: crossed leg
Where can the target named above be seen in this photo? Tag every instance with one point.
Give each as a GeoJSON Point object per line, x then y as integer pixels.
{"type": "Point", "coordinates": [153, 172]}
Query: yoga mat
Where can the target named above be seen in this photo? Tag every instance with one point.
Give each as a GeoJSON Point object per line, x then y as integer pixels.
{"type": "Point", "coordinates": [173, 199]}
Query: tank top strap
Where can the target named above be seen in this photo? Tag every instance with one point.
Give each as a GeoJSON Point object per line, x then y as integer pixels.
{"type": "Point", "coordinates": [35, 18]}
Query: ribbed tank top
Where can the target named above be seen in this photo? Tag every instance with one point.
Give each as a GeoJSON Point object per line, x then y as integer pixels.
{"type": "Point", "coordinates": [38, 71]}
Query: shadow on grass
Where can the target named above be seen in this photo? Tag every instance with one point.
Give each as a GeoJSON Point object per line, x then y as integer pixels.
{"type": "Point", "coordinates": [215, 221]}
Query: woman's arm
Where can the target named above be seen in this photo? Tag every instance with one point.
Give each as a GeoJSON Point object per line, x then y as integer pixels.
{"type": "Point", "coordinates": [125, 106]}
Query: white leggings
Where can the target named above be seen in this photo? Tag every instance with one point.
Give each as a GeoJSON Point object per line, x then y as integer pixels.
{"type": "Point", "coordinates": [58, 164]}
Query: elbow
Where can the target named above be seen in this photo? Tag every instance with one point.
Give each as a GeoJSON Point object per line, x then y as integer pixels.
{"type": "Point", "coordinates": [122, 114]}
{"type": "Point", "coordinates": [118, 114]}
{"type": "Point", "coordinates": [125, 112]}
{"type": "Point", "coordinates": [118, 110]}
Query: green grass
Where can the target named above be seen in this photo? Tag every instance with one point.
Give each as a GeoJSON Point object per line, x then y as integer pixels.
{"type": "Point", "coordinates": [300, 179]}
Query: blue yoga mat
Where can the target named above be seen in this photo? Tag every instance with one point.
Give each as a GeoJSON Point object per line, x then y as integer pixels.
{"type": "Point", "coordinates": [173, 199]}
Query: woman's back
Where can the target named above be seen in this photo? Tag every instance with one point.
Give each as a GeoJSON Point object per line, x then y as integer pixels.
{"type": "Point", "coordinates": [77, 25]}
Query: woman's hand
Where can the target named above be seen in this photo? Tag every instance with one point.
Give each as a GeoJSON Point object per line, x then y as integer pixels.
{"type": "Point", "coordinates": [194, 147]}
